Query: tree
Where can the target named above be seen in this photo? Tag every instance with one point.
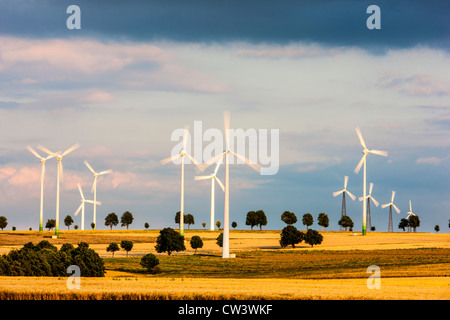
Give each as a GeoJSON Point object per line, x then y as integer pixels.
{"type": "Point", "coordinates": [146, 225]}
{"type": "Point", "coordinates": [75, 227]}
{"type": "Point", "coordinates": [346, 222]}
{"type": "Point", "coordinates": [111, 220]}
{"type": "Point", "coordinates": [261, 218]}
{"type": "Point", "coordinates": [4, 223]}
{"type": "Point", "coordinates": [251, 219]}
{"type": "Point", "coordinates": [289, 218]}
{"type": "Point", "coordinates": [323, 220]}
{"type": "Point", "coordinates": [169, 240]}
{"type": "Point", "coordinates": [414, 222]}
{"type": "Point", "coordinates": [92, 225]}
{"type": "Point", "coordinates": [177, 219]}
{"type": "Point", "coordinates": [68, 221]}
{"type": "Point", "coordinates": [204, 225]}
{"type": "Point", "coordinates": [113, 247]}
{"type": "Point", "coordinates": [196, 242]}
{"type": "Point", "coordinates": [234, 224]}
{"type": "Point", "coordinates": [51, 223]}
{"type": "Point", "coordinates": [126, 245]}
{"type": "Point", "coordinates": [126, 219]}
{"type": "Point", "coordinates": [219, 240]}
{"type": "Point", "coordinates": [149, 261]}
{"type": "Point", "coordinates": [404, 223]}
{"type": "Point", "coordinates": [372, 228]}
{"type": "Point", "coordinates": [189, 219]}
{"type": "Point", "coordinates": [218, 224]}
{"type": "Point", "coordinates": [436, 228]}
{"type": "Point", "coordinates": [291, 236]}
{"type": "Point", "coordinates": [313, 237]}
{"type": "Point", "coordinates": [307, 220]}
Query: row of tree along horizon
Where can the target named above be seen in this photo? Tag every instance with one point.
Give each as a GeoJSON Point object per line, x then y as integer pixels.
{"type": "Point", "coordinates": [253, 218]}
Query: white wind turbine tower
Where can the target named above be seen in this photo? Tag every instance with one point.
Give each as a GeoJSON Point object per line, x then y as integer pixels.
{"type": "Point", "coordinates": [81, 207]}
{"type": "Point", "coordinates": [94, 188]}
{"type": "Point", "coordinates": [369, 197]}
{"type": "Point", "coordinates": [391, 204]}
{"type": "Point", "coordinates": [59, 157]}
{"type": "Point", "coordinates": [226, 214]}
{"type": "Point", "coordinates": [358, 167]}
{"type": "Point", "coordinates": [41, 213]}
{"type": "Point", "coordinates": [344, 191]}
{"type": "Point", "coordinates": [213, 177]}
{"type": "Point", "coordinates": [182, 154]}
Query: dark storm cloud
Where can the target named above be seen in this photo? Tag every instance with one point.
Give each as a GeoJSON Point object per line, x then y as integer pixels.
{"type": "Point", "coordinates": [403, 23]}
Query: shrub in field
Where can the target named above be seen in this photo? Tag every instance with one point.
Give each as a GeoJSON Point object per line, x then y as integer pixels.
{"type": "Point", "coordinates": [291, 236]}
{"type": "Point", "coordinates": [219, 240]}
{"type": "Point", "coordinates": [169, 240]}
{"type": "Point", "coordinates": [113, 247]}
{"type": "Point", "coordinates": [289, 217]}
{"type": "Point", "coordinates": [126, 245]}
{"type": "Point", "coordinates": [313, 237]}
{"type": "Point", "coordinates": [44, 259]}
{"type": "Point", "coordinates": [149, 261]}
{"type": "Point", "coordinates": [196, 242]}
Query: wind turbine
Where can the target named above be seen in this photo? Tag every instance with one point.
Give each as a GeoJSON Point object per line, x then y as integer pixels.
{"type": "Point", "coordinates": [410, 213]}
{"type": "Point", "coordinates": [182, 154]}
{"type": "Point", "coordinates": [41, 213]}
{"type": "Point", "coordinates": [59, 157]}
{"type": "Point", "coordinates": [213, 177]}
{"type": "Point", "coordinates": [94, 188]}
{"type": "Point", "coordinates": [368, 197]}
{"type": "Point", "coordinates": [391, 204]}
{"type": "Point", "coordinates": [344, 191]}
{"type": "Point", "coordinates": [226, 214]}
{"type": "Point", "coordinates": [358, 167]}
{"type": "Point", "coordinates": [81, 207]}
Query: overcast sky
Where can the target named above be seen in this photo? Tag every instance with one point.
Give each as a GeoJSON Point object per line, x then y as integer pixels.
{"type": "Point", "coordinates": [138, 70]}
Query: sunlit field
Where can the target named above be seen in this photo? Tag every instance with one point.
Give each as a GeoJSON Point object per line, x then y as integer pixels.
{"type": "Point", "coordinates": [412, 266]}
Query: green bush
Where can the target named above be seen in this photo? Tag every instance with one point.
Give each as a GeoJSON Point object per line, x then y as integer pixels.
{"type": "Point", "coordinates": [44, 259]}
{"type": "Point", "coordinates": [149, 261]}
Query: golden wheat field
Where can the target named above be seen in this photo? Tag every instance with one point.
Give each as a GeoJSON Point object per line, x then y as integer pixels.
{"type": "Point", "coordinates": [413, 266]}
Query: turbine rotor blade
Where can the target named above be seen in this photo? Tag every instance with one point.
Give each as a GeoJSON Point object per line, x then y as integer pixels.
{"type": "Point", "coordinates": [105, 172]}
{"type": "Point", "coordinates": [220, 184]}
{"type": "Point", "coordinates": [374, 201]}
{"type": "Point", "coordinates": [370, 188]}
{"type": "Point", "coordinates": [255, 167]}
{"type": "Point", "coordinates": [385, 205]}
{"type": "Point", "coordinates": [379, 152]}
{"type": "Point", "coordinates": [203, 177]}
{"type": "Point", "coordinates": [186, 130]}
{"type": "Point", "coordinates": [192, 159]}
{"type": "Point", "coordinates": [361, 140]}
{"type": "Point", "coordinates": [34, 152]}
{"type": "Point", "coordinates": [351, 195]}
{"type": "Point", "coordinates": [345, 182]}
{"type": "Point", "coordinates": [47, 151]}
{"type": "Point", "coordinates": [211, 161]}
{"type": "Point", "coordinates": [396, 209]}
{"type": "Point", "coordinates": [226, 122]}
{"type": "Point", "coordinates": [170, 159]}
{"type": "Point", "coordinates": [72, 148]}
{"type": "Point", "coordinates": [335, 194]}
{"type": "Point", "coordinates": [81, 191]}
{"type": "Point", "coordinates": [393, 196]}
{"type": "Point", "coordinates": [78, 210]}
{"type": "Point", "coordinates": [89, 167]}
{"type": "Point", "coordinates": [218, 165]}
{"type": "Point", "coordinates": [358, 167]}
{"type": "Point", "coordinates": [94, 184]}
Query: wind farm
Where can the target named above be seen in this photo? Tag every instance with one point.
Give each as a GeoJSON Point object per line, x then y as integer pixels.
{"type": "Point", "coordinates": [145, 119]}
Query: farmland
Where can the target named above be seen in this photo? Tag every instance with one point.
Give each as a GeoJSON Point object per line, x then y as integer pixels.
{"type": "Point", "coordinates": [413, 266]}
